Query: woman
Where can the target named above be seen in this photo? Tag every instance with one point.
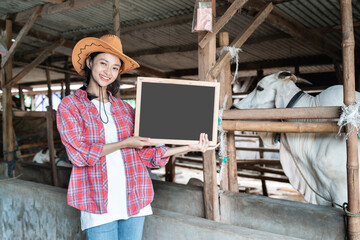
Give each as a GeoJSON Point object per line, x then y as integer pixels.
{"type": "Point", "coordinates": [109, 182]}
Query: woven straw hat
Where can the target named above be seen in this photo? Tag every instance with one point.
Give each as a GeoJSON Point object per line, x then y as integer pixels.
{"type": "Point", "coordinates": [107, 44]}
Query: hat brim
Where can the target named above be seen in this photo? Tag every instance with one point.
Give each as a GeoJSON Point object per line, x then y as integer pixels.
{"type": "Point", "coordinates": [88, 45]}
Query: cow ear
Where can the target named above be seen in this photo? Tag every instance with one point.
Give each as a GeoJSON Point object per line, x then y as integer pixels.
{"type": "Point", "coordinates": [293, 78]}
{"type": "Point", "coordinates": [283, 75]}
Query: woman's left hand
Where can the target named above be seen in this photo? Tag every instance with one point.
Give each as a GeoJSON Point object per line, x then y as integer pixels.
{"type": "Point", "coordinates": [203, 145]}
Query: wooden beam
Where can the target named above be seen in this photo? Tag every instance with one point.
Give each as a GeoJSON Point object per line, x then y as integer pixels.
{"type": "Point", "coordinates": [50, 68]}
{"type": "Point", "coordinates": [352, 165]}
{"type": "Point", "coordinates": [278, 63]}
{"type": "Point", "coordinates": [47, 52]}
{"type": "Point", "coordinates": [150, 72]}
{"type": "Point", "coordinates": [283, 127]}
{"type": "Point", "coordinates": [68, 45]}
{"type": "Point", "coordinates": [54, 1]}
{"type": "Point", "coordinates": [241, 38]}
{"type": "Point", "coordinates": [21, 35]}
{"type": "Point", "coordinates": [224, 19]}
{"type": "Point", "coordinates": [331, 112]}
{"type": "Point", "coordinates": [294, 28]}
{"type": "Point", "coordinates": [51, 9]}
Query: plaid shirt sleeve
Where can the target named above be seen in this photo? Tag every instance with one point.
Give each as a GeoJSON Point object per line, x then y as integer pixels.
{"type": "Point", "coordinates": [70, 127]}
{"type": "Point", "coordinates": [152, 156]}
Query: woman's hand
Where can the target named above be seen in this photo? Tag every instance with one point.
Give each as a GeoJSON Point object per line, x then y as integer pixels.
{"type": "Point", "coordinates": [203, 145]}
{"type": "Point", "coordinates": [138, 142]}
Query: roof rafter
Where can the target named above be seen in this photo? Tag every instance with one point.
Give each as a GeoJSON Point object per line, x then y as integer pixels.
{"type": "Point", "coordinates": [50, 8]}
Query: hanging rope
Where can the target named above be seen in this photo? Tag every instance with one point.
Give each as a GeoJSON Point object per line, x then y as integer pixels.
{"type": "Point", "coordinates": [234, 52]}
{"type": "Point", "coordinates": [350, 114]}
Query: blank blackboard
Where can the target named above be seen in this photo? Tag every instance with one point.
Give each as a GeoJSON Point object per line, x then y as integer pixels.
{"type": "Point", "coordinates": [174, 111]}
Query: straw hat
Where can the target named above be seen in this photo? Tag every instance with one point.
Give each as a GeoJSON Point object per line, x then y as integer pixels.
{"type": "Point", "coordinates": [107, 44]}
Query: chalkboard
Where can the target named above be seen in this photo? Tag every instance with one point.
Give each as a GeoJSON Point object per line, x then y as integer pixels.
{"type": "Point", "coordinates": [173, 111]}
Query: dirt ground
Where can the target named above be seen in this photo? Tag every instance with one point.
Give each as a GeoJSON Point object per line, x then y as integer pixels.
{"type": "Point", "coordinates": [276, 190]}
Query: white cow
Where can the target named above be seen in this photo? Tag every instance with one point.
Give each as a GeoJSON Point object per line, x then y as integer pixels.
{"type": "Point", "coordinates": [321, 158]}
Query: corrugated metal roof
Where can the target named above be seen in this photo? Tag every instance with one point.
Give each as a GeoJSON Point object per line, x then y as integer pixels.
{"type": "Point", "coordinates": [266, 43]}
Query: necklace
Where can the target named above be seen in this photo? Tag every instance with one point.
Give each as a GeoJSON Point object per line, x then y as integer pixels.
{"type": "Point", "coordinates": [102, 100]}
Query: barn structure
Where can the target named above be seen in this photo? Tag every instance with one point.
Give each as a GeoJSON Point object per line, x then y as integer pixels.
{"type": "Point", "coordinates": [313, 39]}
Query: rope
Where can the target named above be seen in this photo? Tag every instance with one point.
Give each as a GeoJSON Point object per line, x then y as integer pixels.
{"type": "Point", "coordinates": [347, 212]}
{"type": "Point", "coordinates": [350, 114]}
{"type": "Point", "coordinates": [234, 52]}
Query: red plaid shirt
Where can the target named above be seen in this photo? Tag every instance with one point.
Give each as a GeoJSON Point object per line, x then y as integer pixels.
{"type": "Point", "coordinates": [82, 133]}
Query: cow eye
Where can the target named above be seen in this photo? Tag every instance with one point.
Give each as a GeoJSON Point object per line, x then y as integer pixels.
{"type": "Point", "coordinates": [259, 88]}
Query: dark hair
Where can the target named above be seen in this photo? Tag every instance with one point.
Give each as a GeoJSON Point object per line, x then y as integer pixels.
{"type": "Point", "coordinates": [113, 87]}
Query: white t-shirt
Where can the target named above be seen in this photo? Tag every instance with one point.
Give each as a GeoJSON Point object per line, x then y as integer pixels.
{"type": "Point", "coordinates": [117, 207]}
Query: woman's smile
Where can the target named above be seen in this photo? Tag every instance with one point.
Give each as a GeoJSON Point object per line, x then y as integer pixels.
{"type": "Point", "coordinates": [104, 78]}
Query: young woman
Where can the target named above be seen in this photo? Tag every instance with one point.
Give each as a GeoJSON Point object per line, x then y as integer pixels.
{"type": "Point", "coordinates": [109, 182]}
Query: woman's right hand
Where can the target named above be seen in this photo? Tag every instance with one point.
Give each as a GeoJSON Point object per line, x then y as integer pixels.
{"type": "Point", "coordinates": [138, 142]}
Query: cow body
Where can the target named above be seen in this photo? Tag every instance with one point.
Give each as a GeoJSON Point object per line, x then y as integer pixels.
{"type": "Point", "coordinates": [311, 161]}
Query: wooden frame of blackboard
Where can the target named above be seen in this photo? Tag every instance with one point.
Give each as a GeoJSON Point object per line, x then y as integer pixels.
{"type": "Point", "coordinates": [161, 82]}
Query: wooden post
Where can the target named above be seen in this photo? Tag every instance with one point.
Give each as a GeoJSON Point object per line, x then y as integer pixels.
{"type": "Point", "coordinates": [21, 95]}
{"type": "Point", "coordinates": [62, 91]}
{"type": "Point", "coordinates": [50, 131]}
{"type": "Point", "coordinates": [48, 81]}
{"type": "Point", "coordinates": [116, 16]}
{"type": "Point", "coordinates": [231, 149]}
{"type": "Point", "coordinates": [348, 46]}
{"type": "Point", "coordinates": [67, 79]}
{"type": "Point", "coordinates": [207, 59]}
{"type": "Point", "coordinates": [7, 125]}
{"type": "Point", "coordinates": [263, 181]}
{"type": "Point", "coordinates": [225, 73]}
{"type": "Point", "coordinates": [170, 170]}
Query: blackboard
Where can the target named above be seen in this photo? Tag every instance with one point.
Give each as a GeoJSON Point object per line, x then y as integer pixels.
{"type": "Point", "coordinates": [173, 111]}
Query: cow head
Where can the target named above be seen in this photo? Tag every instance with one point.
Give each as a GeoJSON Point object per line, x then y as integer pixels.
{"type": "Point", "coordinates": [266, 95]}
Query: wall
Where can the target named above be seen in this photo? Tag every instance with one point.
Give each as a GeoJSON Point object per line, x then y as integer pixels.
{"type": "Point", "coordinates": [31, 210]}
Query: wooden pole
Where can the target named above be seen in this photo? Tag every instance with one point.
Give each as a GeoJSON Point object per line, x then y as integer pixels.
{"type": "Point", "coordinates": [116, 16]}
{"type": "Point", "coordinates": [7, 125]}
{"type": "Point", "coordinates": [348, 46]}
{"type": "Point", "coordinates": [170, 170]}
{"type": "Point", "coordinates": [285, 127]}
{"type": "Point", "coordinates": [207, 58]}
{"type": "Point", "coordinates": [48, 81]}
{"type": "Point", "coordinates": [67, 79]}
{"type": "Point", "coordinates": [21, 95]}
{"type": "Point", "coordinates": [263, 181]}
{"type": "Point", "coordinates": [224, 75]}
{"type": "Point", "coordinates": [50, 131]}
{"type": "Point", "coordinates": [62, 91]}
{"type": "Point", "coordinates": [117, 22]}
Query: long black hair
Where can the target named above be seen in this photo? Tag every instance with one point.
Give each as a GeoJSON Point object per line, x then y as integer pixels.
{"type": "Point", "coordinates": [113, 87]}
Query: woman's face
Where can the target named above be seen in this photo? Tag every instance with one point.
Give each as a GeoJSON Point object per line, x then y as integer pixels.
{"type": "Point", "coordinates": [104, 68]}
